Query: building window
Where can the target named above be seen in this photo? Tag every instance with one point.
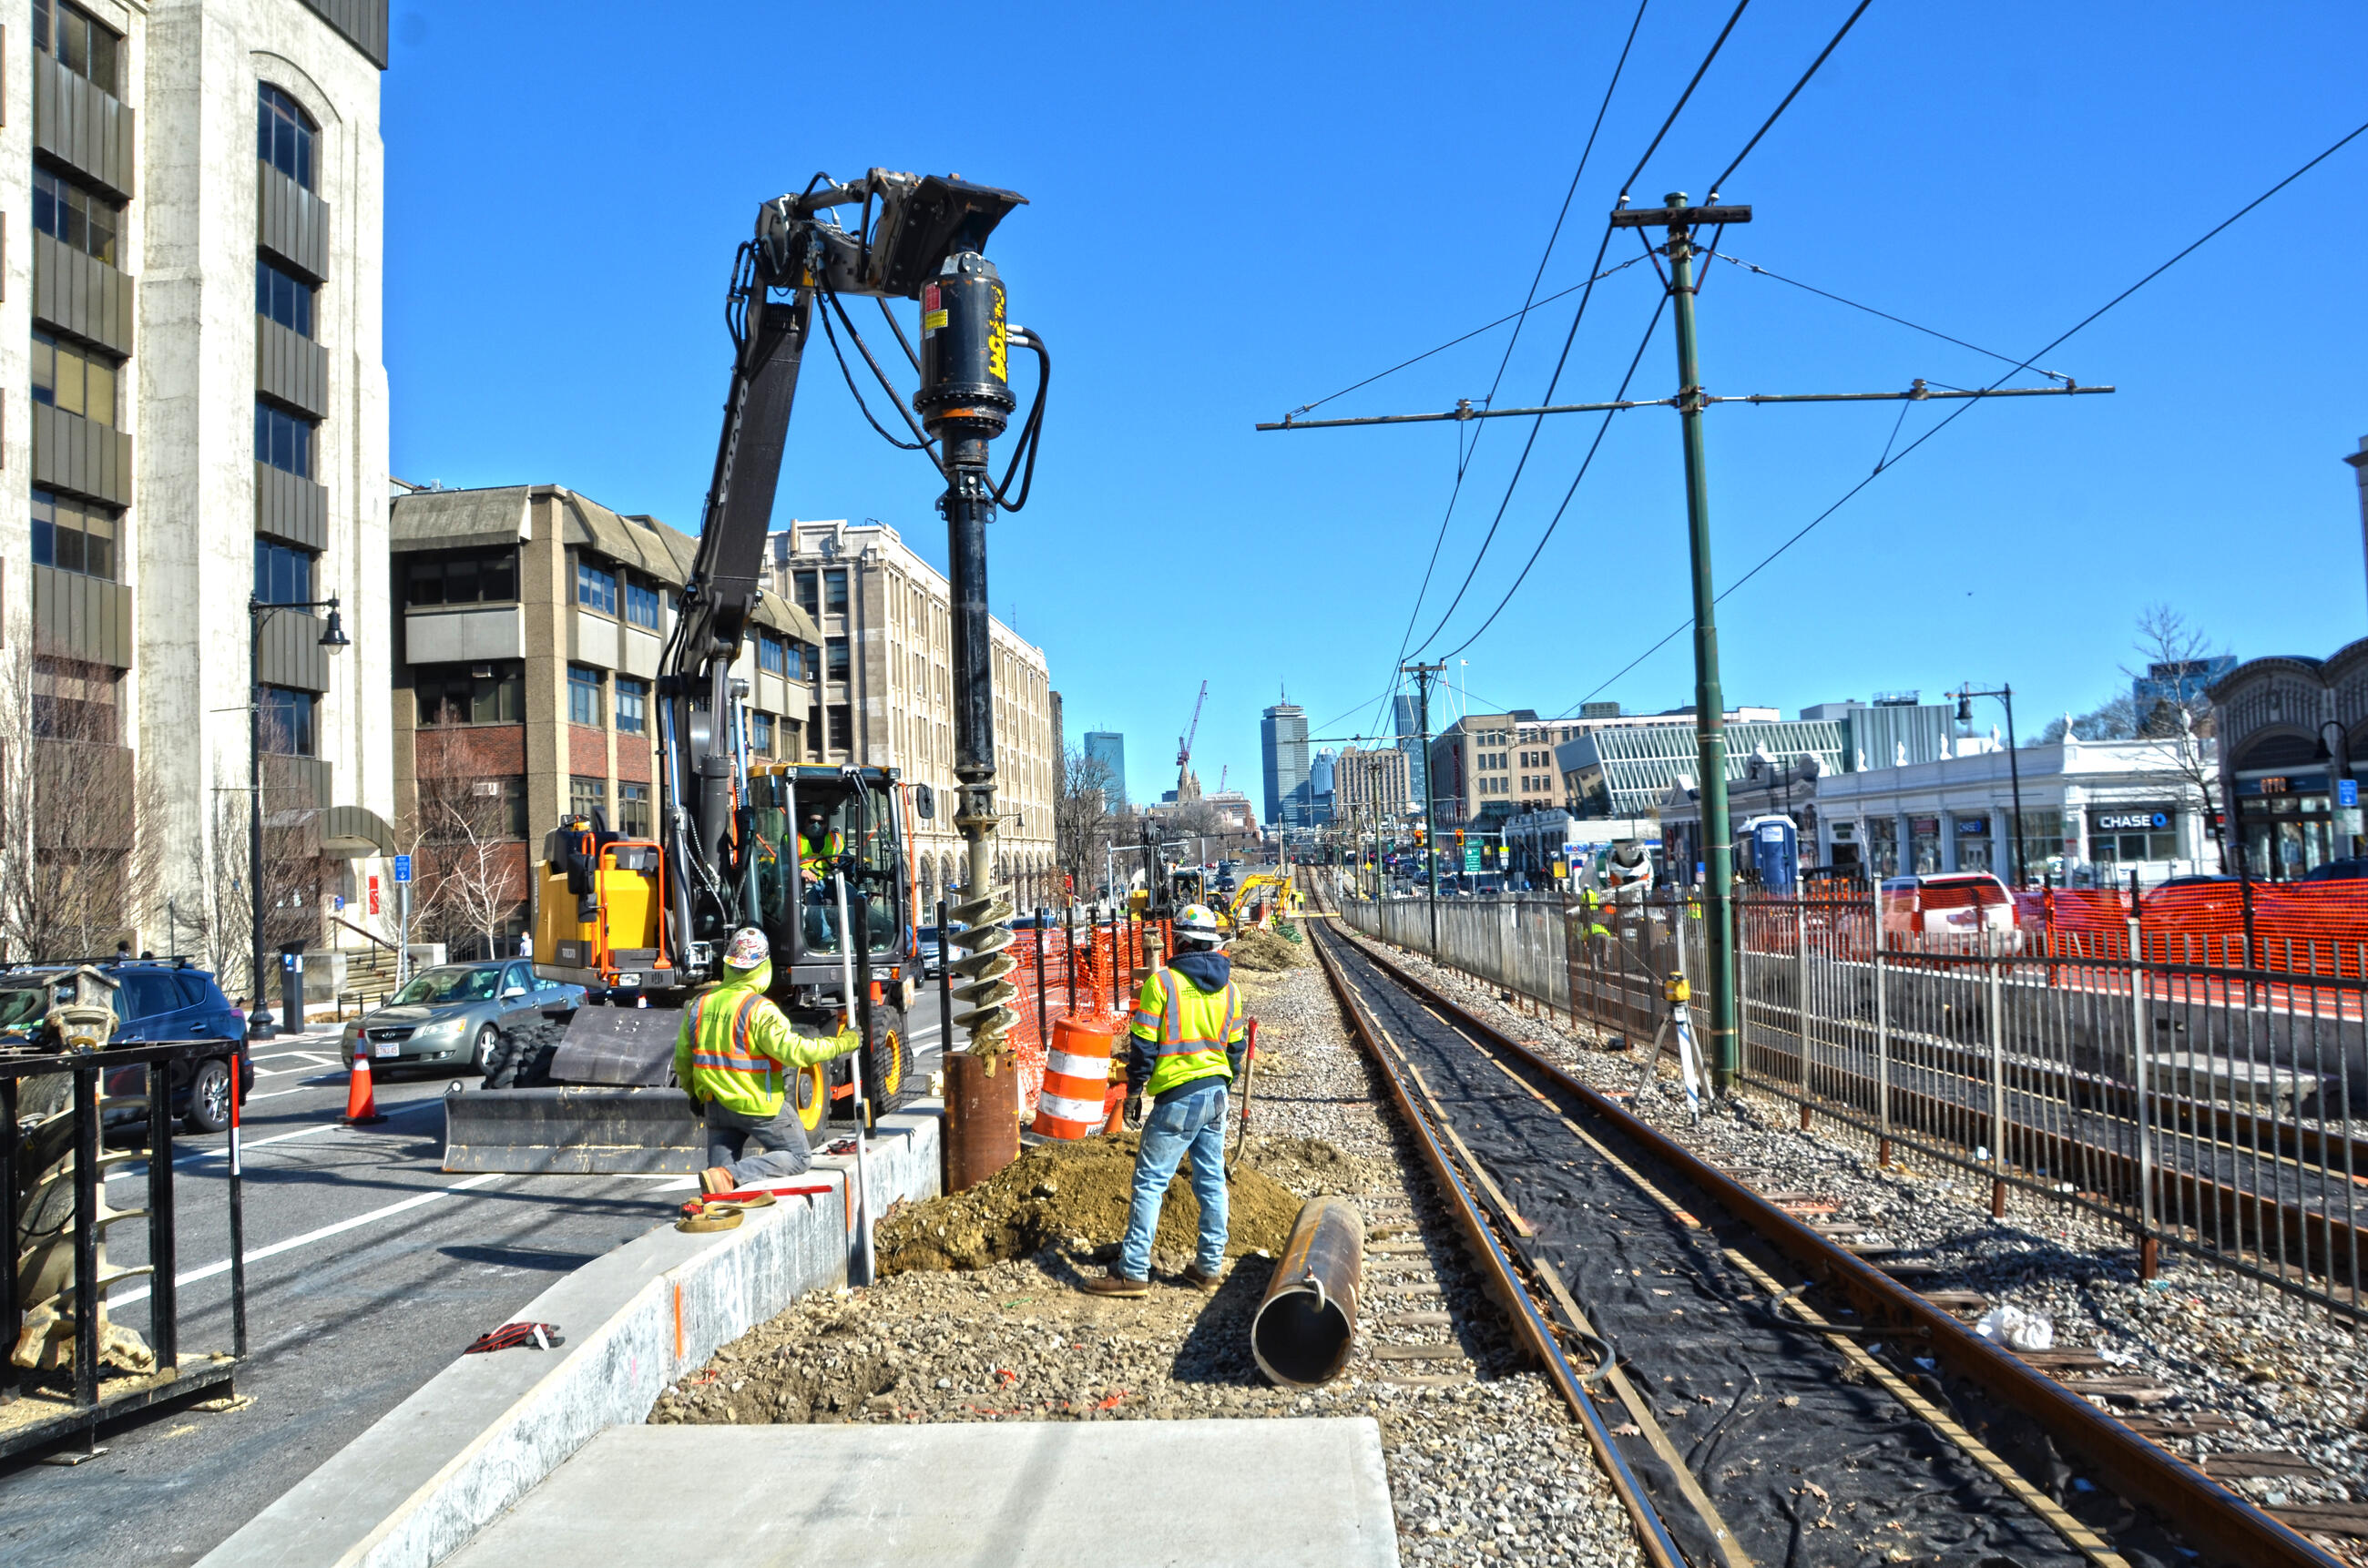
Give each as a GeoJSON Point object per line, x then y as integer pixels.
{"type": "Point", "coordinates": [68, 377]}
{"type": "Point", "coordinates": [283, 297]}
{"type": "Point", "coordinates": [842, 727]}
{"type": "Point", "coordinates": [73, 538]}
{"type": "Point", "coordinates": [467, 809]}
{"type": "Point", "coordinates": [450, 695]}
{"type": "Point", "coordinates": [282, 440]}
{"type": "Point", "coordinates": [79, 42]}
{"type": "Point", "coordinates": [2126, 848]}
{"type": "Point", "coordinates": [633, 706]}
{"type": "Point", "coordinates": [77, 701]}
{"type": "Point", "coordinates": [641, 604]}
{"type": "Point", "coordinates": [814, 734]}
{"type": "Point", "coordinates": [834, 591]}
{"type": "Point", "coordinates": [835, 659]}
{"type": "Point", "coordinates": [284, 135]}
{"type": "Point", "coordinates": [461, 577]}
{"type": "Point", "coordinates": [633, 809]}
{"type": "Point", "coordinates": [761, 734]}
{"type": "Point", "coordinates": [288, 719]}
{"type": "Point", "coordinates": [283, 573]}
{"type": "Point", "coordinates": [772, 654]}
{"type": "Point", "coordinates": [809, 593]}
{"type": "Point", "coordinates": [583, 695]}
{"type": "Point", "coordinates": [77, 218]}
{"type": "Point", "coordinates": [595, 587]}
{"type": "Point", "coordinates": [586, 796]}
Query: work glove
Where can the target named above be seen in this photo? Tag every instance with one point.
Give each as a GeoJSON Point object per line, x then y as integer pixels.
{"type": "Point", "coordinates": [1132, 1116]}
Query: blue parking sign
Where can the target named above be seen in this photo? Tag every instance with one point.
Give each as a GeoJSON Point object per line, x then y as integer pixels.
{"type": "Point", "coordinates": [403, 867]}
{"type": "Point", "coordinates": [2347, 791]}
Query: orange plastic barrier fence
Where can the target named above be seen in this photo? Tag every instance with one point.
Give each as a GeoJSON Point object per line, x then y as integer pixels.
{"type": "Point", "coordinates": [1102, 962]}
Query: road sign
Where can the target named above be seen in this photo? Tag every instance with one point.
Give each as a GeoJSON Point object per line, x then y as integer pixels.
{"type": "Point", "coordinates": [402, 869]}
{"type": "Point", "coordinates": [2347, 791]}
{"type": "Point", "coordinates": [1472, 858]}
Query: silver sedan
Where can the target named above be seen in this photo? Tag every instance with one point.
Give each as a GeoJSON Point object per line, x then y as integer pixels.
{"type": "Point", "coordinates": [455, 1014]}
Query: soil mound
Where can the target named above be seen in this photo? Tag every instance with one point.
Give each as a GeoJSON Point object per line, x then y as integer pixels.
{"type": "Point", "coordinates": [1263, 950]}
{"type": "Point", "coordinates": [1056, 1191]}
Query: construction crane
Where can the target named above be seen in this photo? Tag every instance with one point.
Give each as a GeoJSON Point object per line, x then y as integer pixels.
{"type": "Point", "coordinates": [1184, 744]}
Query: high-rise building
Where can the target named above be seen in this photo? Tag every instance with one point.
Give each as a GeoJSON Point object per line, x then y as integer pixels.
{"type": "Point", "coordinates": [1109, 748]}
{"type": "Point", "coordinates": [1320, 786]}
{"type": "Point", "coordinates": [1370, 787]}
{"type": "Point", "coordinates": [1406, 714]}
{"type": "Point", "coordinates": [886, 697]}
{"type": "Point", "coordinates": [199, 334]}
{"type": "Point", "coordinates": [1282, 747]}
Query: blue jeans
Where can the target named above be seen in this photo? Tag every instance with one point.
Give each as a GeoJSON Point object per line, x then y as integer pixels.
{"type": "Point", "coordinates": [1191, 1121]}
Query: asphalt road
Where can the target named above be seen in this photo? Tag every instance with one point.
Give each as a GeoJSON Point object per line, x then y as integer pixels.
{"type": "Point", "coordinates": [368, 1270]}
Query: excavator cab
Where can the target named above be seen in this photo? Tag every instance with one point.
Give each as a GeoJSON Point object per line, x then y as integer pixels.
{"type": "Point", "coordinates": [796, 894]}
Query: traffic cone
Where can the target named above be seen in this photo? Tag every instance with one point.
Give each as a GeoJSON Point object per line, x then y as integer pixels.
{"type": "Point", "coordinates": [361, 1105]}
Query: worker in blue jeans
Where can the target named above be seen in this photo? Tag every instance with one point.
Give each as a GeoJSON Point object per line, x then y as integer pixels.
{"type": "Point", "coordinates": [1187, 1047]}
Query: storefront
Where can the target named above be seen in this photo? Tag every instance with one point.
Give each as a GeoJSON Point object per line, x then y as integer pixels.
{"type": "Point", "coordinates": [2286, 724]}
{"type": "Point", "coordinates": [2125, 835]}
{"type": "Point", "coordinates": [1971, 834]}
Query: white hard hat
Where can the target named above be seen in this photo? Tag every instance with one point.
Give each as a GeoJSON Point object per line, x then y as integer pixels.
{"type": "Point", "coordinates": [1197, 922]}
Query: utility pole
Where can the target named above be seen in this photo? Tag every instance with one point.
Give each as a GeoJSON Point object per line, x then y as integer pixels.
{"type": "Point", "coordinates": [1710, 699]}
{"type": "Point", "coordinates": [1423, 675]}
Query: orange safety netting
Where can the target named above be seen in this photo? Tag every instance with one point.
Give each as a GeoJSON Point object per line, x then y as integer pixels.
{"type": "Point", "coordinates": [1082, 972]}
{"type": "Point", "coordinates": [2299, 927]}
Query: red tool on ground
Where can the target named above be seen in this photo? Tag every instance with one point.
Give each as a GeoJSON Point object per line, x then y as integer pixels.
{"type": "Point", "coordinates": [361, 1104]}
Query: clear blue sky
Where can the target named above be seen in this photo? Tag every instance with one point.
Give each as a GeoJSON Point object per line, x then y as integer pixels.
{"type": "Point", "coordinates": [1238, 208]}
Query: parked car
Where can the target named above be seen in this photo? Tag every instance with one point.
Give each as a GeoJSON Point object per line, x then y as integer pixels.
{"type": "Point", "coordinates": [930, 948]}
{"type": "Point", "coordinates": [454, 1015]}
{"type": "Point", "coordinates": [1953, 911]}
{"type": "Point", "coordinates": [2352, 870]}
{"type": "Point", "coordinates": [155, 1000]}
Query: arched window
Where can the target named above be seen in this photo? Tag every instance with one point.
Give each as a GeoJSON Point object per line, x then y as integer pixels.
{"type": "Point", "coordinates": [284, 135]}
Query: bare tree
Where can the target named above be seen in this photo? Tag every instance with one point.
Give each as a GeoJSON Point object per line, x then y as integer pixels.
{"type": "Point", "coordinates": [2166, 703]}
{"type": "Point", "coordinates": [78, 831]}
{"type": "Point", "coordinates": [1084, 790]}
{"type": "Point", "coordinates": [473, 875]}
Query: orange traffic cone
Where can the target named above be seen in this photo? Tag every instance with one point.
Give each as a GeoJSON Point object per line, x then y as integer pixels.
{"type": "Point", "coordinates": [361, 1105]}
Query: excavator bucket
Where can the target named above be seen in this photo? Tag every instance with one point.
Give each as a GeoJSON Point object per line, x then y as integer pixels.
{"type": "Point", "coordinates": [591, 1095]}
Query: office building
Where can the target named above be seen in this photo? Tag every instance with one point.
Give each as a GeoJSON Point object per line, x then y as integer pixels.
{"type": "Point", "coordinates": [884, 616]}
{"type": "Point", "coordinates": [1405, 717]}
{"type": "Point", "coordinates": [1371, 786]}
{"type": "Point", "coordinates": [1488, 766]}
{"type": "Point", "coordinates": [1628, 771]}
{"type": "Point", "coordinates": [1283, 748]}
{"type": "Point", "coordinates": [1109, 748]}
{"type": "Point", "coordinates": [192, 300]}
{"type": "Point", "coordinates": [1320, 786]}
{"type": "Point", "coordinates": [532, 622]}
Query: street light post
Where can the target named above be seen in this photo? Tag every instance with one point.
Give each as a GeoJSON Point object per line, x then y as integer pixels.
{"type": "Point", "coordinates": [2005, 693]}
{"type": "Point", "coordinates": [332, 637]}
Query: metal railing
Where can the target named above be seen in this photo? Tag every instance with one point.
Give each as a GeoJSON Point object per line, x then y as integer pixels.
{"type": "Point", "coordinates": [2210, 1108]}
{"type": "Point", "coordinates": [52, 1141]}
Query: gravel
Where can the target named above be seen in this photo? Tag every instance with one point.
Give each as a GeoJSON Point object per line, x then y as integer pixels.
{"type": "Point", "coordinates": [1492, 1470]}
{"type": "Point", "coordinates": [2288, 1375]}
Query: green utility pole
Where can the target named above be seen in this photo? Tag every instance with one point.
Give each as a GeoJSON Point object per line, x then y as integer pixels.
{"type": "Point", "coordinates": [1710, 699]}
{"type": "Point", "coordinates": [1422, 674]}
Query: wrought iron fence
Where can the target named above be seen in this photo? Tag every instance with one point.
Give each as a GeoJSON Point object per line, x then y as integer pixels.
{"type": "Point", "coordinates": [2206, 1106]}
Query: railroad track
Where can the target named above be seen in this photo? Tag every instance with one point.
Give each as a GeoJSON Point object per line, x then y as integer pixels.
{"type": "Point", "coordinates": [1758, 1393]}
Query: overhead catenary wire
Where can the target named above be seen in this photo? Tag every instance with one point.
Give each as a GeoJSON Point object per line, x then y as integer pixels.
{"type": "Point", "coordinates": [1754, 267]}
{"type": "Point", "coordinates": [1700, 71]}
{"type": "Point", "coordinates": [1720, 183]}
{"type": "Point", "coordinates": [2080, 326]}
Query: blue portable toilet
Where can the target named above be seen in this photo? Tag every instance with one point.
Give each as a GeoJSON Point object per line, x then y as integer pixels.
{"type": "Point", "coordinates": [1771, 847]}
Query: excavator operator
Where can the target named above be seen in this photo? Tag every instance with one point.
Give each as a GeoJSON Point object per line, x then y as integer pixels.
{"type": "Point", "coordinates": [819, 847]}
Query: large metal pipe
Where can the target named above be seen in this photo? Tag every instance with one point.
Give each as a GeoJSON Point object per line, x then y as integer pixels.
{"type": "Point", "coordinates": [1307, 1324]}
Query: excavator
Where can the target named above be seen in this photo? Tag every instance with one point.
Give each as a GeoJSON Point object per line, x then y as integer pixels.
{"type": "Point", "coordinates": [644, 921]}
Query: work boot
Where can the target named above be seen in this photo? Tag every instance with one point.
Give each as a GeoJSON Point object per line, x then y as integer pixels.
{"type": "Point", "coordinates": [1201, 1279]}
{"type": "Point", "coordinates": [715, 1179]}
{"type": "Point", "coordinates": [1114, 1284]}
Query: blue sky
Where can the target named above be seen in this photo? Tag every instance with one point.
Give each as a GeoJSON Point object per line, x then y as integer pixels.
{"type": "Point", "coordinates": [1237, 209]}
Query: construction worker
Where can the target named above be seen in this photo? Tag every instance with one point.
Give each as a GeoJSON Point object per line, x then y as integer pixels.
{"type": "Point", "coordinates": [819, 848]}
{"type": "Point", "coordinates": [732, 1057]}
{"type": "Point", "coordinates": [1187, 1047]}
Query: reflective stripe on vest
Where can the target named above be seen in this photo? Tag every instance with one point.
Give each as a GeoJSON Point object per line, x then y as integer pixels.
{"type": "Point", "coordinates": [1173, 1039]}
{"type": "Point", "coordinates": [736, 1057]}
{"type": "Point", "coordinates": [817, 859]}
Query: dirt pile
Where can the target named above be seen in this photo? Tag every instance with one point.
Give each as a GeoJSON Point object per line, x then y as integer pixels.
{"type": "Point", "coordinates": [1060, 1192]}
{"type": "Point", "coordinates": [1261, 950]}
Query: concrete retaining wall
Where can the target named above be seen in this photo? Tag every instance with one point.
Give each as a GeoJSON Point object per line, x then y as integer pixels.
{"type": "Point", "coordinates": [481, 1433]}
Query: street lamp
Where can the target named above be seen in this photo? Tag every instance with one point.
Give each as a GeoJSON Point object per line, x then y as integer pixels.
{"type": "Point", "coordinates": [333, 638]}
{"type": "Point", "coordinates": [2005, 693]}
{"type": "Point", "coordinates": [2339, 771]}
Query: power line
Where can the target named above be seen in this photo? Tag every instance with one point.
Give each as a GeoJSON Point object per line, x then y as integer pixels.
{"type": "Point", "coordinates": [1720, 183]}
{"type": "Point", "coordinates": [2339, 143]}
{"type": "Point", "coordinates": [1716, 44]}
{"type": "Point", "coordinates": [1901, 321]}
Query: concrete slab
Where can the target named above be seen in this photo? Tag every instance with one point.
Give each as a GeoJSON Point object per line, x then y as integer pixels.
{"type": "Point", "coordinates": [1048, 1494]}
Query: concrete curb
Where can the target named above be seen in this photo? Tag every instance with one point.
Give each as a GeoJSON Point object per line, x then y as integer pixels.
{"type": "Point", "coordinates": [485, 1431]}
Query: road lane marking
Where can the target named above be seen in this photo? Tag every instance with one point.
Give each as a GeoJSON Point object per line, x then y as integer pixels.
{"type": "Point", "coordinates": [256, 1255]}
{"type": "Point", "coordinates": [249, 1145]}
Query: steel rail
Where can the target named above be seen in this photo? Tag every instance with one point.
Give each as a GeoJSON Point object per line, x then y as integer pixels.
{"type": "Point", "coordinates": [1504, 1278]}
{"type": "Point", "coordinates": [2222, 1525]}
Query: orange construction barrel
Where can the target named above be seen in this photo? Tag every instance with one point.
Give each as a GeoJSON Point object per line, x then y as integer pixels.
{"type": "Point", "coordinates": [1077, 1075]}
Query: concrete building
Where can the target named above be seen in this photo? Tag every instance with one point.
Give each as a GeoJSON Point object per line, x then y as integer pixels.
{"type": "Point", "coordinates": [1405, 724]}
{"type": "Point", "coordinates": [1488, 766]}
{"type": "Point", "coordinates": [526, 652]}
{"type": "Point", "coordinates": [1283, 748]}
{"type": "Point", "coordinates": [192, 296]}
{"type": "Point", "coordinates": [1371, 786]}
{"type": "Point", "coordinates": [1627, 771]}
{"type": "Point", "coordinates": [2292, 731]}
{"type": "Point", "coordinates": [884, 617]}
{"type": "Point", "coordinates": [1109, 748]}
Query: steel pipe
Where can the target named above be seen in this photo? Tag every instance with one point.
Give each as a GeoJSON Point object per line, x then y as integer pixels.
{"type": "Point", "coordinates": [1305, 1326]}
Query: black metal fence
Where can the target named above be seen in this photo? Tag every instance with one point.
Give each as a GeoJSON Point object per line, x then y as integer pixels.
{"type": "Point", "coordinates": [56, 1106]}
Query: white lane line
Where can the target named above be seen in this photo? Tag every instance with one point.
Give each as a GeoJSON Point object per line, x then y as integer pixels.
{"type": "Point", "coordinates": [256, 1255]}
{"type": "Point", "coordinates": [307, 1084]}
{"type": "Point", "coordinates": [251, 1144]}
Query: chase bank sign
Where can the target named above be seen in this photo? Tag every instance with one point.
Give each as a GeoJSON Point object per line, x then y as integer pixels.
{"type": "Point", "coordinates": [2141, 820]}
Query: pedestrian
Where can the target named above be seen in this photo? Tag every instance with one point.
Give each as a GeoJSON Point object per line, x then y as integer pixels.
{"type": "Point", "coordinates": [1186, 1047]}
{"type": "Point", "coordinates": [731, 1058]}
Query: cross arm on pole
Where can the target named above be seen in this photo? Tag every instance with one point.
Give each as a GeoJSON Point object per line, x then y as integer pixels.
{"type": "Point", "coordinates": [1677, 216]}
{"type": "Point", "coordinates": [1918, 391]}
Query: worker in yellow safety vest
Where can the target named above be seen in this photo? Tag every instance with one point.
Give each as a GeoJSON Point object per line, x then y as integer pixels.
{"type": "Point", "coordinates": [819, 847]}
{"type": "Point", "coordinates": [732, 1058]}
{"type": "Point", "coordinates": [1187, 1047]}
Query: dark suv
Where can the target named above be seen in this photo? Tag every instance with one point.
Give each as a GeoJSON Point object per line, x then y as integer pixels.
{"type": "Point", "coordinates": [155, 1000]}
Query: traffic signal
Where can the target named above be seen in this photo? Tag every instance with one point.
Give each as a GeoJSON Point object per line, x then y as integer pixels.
{"type": "Point", "coordinates": [1459, 838]}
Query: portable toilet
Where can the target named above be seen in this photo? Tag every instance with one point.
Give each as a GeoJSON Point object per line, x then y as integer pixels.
{"type": "Point", "coordinates": [1771, 846]}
